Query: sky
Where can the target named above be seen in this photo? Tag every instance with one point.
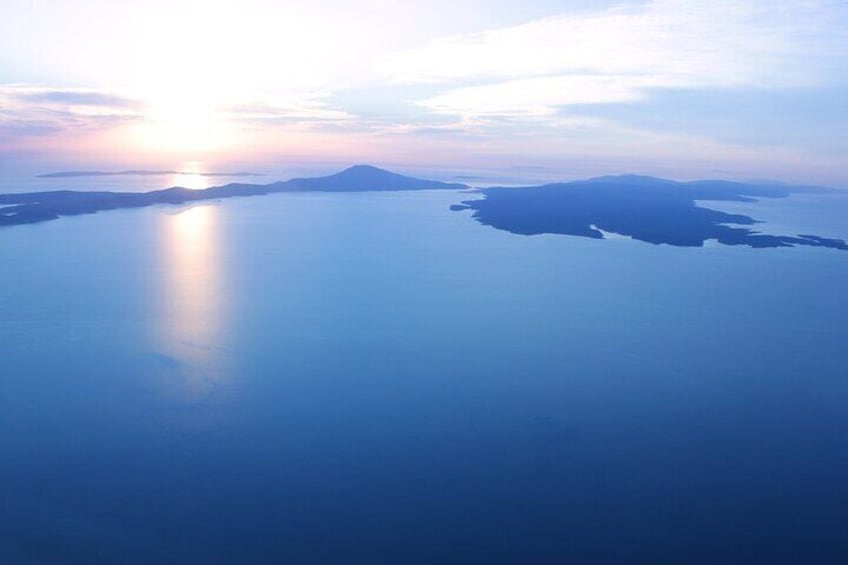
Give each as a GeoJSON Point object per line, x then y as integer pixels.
{"type": "Point", "coordinates": [743, 89]}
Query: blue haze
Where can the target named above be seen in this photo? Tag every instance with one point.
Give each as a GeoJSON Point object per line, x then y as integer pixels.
{"type": "Point", "coordinates": [371, 378]}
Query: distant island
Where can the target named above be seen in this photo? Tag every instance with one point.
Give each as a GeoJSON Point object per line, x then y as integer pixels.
{"type": "Point", "coordinates": [645, 208]}
{"type": "Point", "coordinates": [72, 174]}
{"type": "Point", "coordinates": [32, 207]}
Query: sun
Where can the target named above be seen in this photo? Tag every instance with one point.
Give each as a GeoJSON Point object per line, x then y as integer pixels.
{"type": "Point", "coordinates": [185, 122]}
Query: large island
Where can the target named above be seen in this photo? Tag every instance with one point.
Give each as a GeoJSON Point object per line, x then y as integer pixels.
{"type": "Point", "coordinates": [645, 208]}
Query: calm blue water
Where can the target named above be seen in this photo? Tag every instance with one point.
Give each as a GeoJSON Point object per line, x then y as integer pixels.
{"type": "Point", "coordinates": [29, 181]}
{"type": "Point", "coordinates": [370, 378]}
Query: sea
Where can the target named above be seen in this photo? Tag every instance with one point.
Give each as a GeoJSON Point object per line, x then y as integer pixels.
{"type": "Point", "coordinates": [373, 378]}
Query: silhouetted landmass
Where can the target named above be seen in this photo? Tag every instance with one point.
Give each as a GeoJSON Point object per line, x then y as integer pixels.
{"type": "Point", "coordinates": [366, 178]}
{"type": "Point", "coordinates": [72, 174]}
{"type": "Point", "coordinates": [644, 208]}
{"type": "Point", "coordinates": [35, 207]}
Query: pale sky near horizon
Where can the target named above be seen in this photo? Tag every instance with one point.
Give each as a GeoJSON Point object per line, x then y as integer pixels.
{"type": "Point", "coordinates": [678, 88]}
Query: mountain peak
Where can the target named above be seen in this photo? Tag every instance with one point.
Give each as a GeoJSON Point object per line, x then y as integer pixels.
{"type": "Point", "coordinates": [630, 179]}
{"type": "Point", "coordinates": [366, 172]}
{"type": "Point", "coordinates": [363, 168]}
{"type": "Point", "coordinates": [368, 177]}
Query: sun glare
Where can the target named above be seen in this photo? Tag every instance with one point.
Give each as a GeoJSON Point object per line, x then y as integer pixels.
{"type": "Point", "coordinates": [190, 176]}
{"type": "Point", "coordinates": [184, 122]}
{"type": "Point", "coordinates": [192, 226]}
{"type": "Point", "coordinates": [192, 309]}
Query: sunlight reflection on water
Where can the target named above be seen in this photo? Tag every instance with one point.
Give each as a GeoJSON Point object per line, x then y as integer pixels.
{"type": "Point", "coordinates": [192, 318]}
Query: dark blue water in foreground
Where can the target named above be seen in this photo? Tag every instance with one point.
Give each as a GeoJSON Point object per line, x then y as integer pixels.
{"type": "Point", "coordinates": [370, 378]}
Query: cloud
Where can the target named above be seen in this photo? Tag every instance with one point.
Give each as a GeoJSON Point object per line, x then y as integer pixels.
{"type": "Point", "coordinates": [539, 96]}
{"type": "Point", "coordinates": [619, 54]}
{"type": "Point", "coordinates": [179, 122]}
{"type": "Point", "coordinates": [70, 97]}
{"type": "Point", "coordinates": [27, 128]}
{"type": "Point", "coordinates": [36, 111]}
{"type": "Point", "coordinates": [301, 109]}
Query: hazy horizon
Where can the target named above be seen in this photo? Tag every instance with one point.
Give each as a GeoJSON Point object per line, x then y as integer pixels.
{"type": "Point", "coordinates": [682, 89]}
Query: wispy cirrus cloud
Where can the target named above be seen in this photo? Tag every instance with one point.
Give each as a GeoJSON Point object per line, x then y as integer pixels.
{"type": "Point", "coordinates": [620, 54]}
{"type": "Point", "coordinates": [68, 97]}
{"type": "Point", "coordinates": [310, 108]}
{"type": "Point", "coordinates": [27, 110]}
{"type": "Point", "coordinates": [539, 96]}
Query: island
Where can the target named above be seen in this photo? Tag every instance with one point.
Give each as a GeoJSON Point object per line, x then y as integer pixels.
{"type": "Point", "coordinates": [648, 209]}
{"type": "Point", "coordinates": [644, 208]}
{"type": "Point", "coordinates": [28, 208]}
